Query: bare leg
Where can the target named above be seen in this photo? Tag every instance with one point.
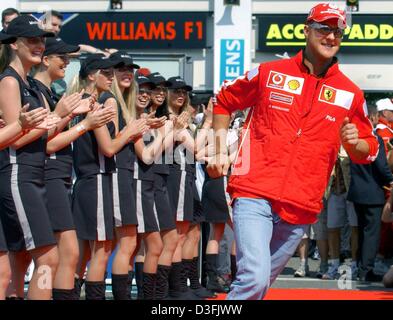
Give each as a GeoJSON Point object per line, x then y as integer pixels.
{"type": "Point", "coordinates": [101, 250]}
{"type": "Point", "coordinates": [323, 249]}
{"type": "Point", "coordinates": [216, 234]}
{"type": "Point", "coordinates": [170, 239]}
{"type": "Point", "coordinates": [154, 248]}
{"type": "Point", "coordinates": [127, 243]}
{"type": "Point", "coordinates": [84, 257]}
{"type": "Point", "coordinates": [67, 243]}
{"type": "Point", "coordinates": [46, 260]}
{"type": "Point", "coordinates": [5, 274]}
{"type": "Point", "coordinates": [192, 239]}
{"type": "Point", "coordinates": [334, 243]}
{"type": "Point", "coordinates": [19, 262]}
{"type": "Point", "coordinates": [182, 228]}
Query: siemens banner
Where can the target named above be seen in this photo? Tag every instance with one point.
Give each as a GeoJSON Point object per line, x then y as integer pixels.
{"type": "Point", "coordinates": [232, 40]}
{"type": "Point", "coordinates": [232, 59]}
{"type": "Point", "coordinates": [367, 34]}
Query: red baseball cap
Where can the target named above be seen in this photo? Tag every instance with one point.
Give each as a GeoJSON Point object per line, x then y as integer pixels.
{"type": "Point", "coordinates": [327, 11]}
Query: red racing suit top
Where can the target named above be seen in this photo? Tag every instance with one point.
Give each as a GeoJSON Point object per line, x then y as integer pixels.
{"type": "Point", "coordinates": [385, 131]}
{"type": "Point", "coordinates": [292, 134]}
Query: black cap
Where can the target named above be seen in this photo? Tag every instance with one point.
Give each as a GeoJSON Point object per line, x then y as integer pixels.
{"type": "Point", "coordinates": [97, 61]}
{"type": "Point", "coordinates": [125, 58]}
{"type": "Point", "coordinates": [56, 45]}
{"type": "Point", "coordinates": [26, 26]}
{"type": "Point", "coordinates": [144, 80]}
{"type": "Point", "coordinates": [195, 100]}
{"type": "Point", "coordinates": [157, 79]}
{"type": "Point", "coordinates": [6, 38]}
{"type": "Point", "coordinates": [178, 83]}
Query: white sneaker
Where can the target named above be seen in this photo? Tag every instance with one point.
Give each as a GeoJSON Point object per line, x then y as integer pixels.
{"type": "Point", "coordinates": [380, 268]}
{"type": "Point", "coordinates": [302, 271]}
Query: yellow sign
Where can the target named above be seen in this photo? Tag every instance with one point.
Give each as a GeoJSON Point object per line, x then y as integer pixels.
{"type": "Point", "coordinates": [365, 32]}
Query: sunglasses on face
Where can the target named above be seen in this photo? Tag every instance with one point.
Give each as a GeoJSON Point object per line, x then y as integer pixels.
{"type": "Point", "coordinates": [35, 40]}
{"type": "Point", "coordinates": [159, 89]}
{"type": "Point", "coordinates": [63, 57]}
{"type": "Point", "coordinates": [144, 91]}
{"type": "Point", "coordinates": [326, 30]}
{"type": "Point", "coordinates": [125, 69]}
{"type": "Point", "coordinates": [106, 72]}
{"type": "Point", "coordinates": [180, 92]}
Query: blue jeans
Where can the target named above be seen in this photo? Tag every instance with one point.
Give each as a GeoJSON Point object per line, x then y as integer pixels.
{"type": "Point", "coordinates": [264, 244]}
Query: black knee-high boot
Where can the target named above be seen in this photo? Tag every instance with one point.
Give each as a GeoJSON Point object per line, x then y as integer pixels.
{"type": "Point", "coordinates": [149, 285]}
{"type": "Point", "coordinates": [139, 279]}
{"type": "Point", "coordinates": [63, 294]}
{"type": "Point", "coordinates": [78, 283]}
{"type": "Point", "coordinates": [120, 287]}
{"type": "Point", "coordinates": [212, 275]}
{"type": "Point", "coordinates": [195, 285]}
{"type": "Point", "coordinates": [95, 290]}
{"type": "Point", "coordinates": [175, 292]}
{"type": "Point", "coordinates": [178, 289]}
{"type": "Point", "coordinates": [162, 286]}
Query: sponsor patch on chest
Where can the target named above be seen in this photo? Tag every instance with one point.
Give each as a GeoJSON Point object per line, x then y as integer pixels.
{"type": "Point", "coordinates": [285, 82]}
{"type": "Point", "coordinates": [280, 97]}
{"type": "Point", "coordinates": [337, 97]}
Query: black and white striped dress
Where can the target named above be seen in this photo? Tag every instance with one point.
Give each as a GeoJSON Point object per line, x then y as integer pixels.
{"type": "Point", "coordinates": [181, 183]}
{"type": "Point", "coordinates": [23, 211]}
{"type": "Point", "coordinates": [58, 176]}
{"type": "Point", "coordinates": [123, 179]}
{"type": "Point", "coordinates": [144, 193]}
{"type": "Point", "coordinates": [92, 197]}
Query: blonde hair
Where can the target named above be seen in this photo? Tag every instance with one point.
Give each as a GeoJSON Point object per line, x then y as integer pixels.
{"type": "Point", "coordinates": [186, 103]}
{"type": "Point", "coordinates": [76, 85]}
{"type": "Point", "coordinates": [126, 99]}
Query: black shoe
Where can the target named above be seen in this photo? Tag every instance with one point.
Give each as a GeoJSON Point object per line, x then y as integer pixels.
{"type": "Point", "coordinates": [204, 293]}
{"type": "Point", "coordinates": [95, 290]}
{"type": "Point", "coordinates": [372, 277]}
{"type": "Point", "coordinates": [217, 284]}
{"type": "Point", "coordinates": [183, 295]}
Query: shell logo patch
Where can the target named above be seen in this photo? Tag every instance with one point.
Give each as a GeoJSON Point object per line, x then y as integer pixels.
{"type": "Point", "coordinates": [285, 82]}
{"type": "Point", "coordinates": [293, 84]}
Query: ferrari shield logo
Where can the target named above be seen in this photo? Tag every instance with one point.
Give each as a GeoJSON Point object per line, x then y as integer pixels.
{"type": "Point", "coordinates": [328, 94]}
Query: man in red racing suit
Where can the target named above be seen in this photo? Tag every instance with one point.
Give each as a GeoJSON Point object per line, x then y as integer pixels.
{"type": "Point", "coordinates": [303, 108]}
